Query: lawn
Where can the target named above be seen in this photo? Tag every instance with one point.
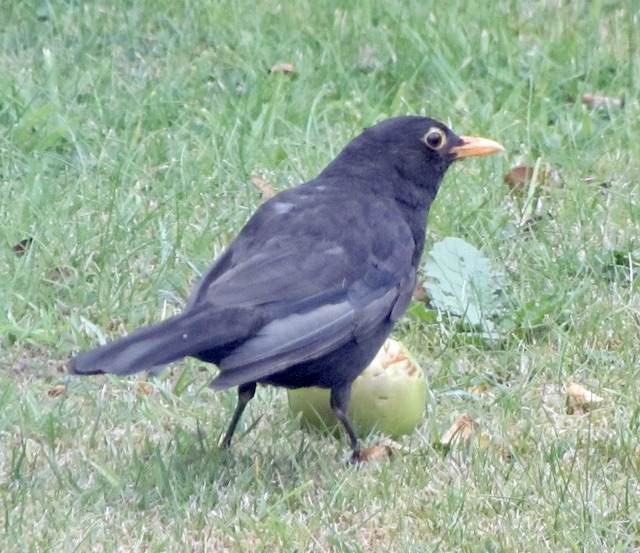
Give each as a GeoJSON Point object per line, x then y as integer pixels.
{"type": "Point", "coordinates": [131, 133]}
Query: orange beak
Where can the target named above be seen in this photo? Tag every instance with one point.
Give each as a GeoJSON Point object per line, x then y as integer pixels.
{"type": "Point", "coordinates": [473, 146]}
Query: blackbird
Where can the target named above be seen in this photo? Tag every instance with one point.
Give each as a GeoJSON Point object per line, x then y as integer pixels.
{"type": "Point", "coordinates": [315, 281]}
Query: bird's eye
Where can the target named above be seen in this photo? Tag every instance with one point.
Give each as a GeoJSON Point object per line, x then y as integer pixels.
{"type": "Point", "coordinates": [435, 138]}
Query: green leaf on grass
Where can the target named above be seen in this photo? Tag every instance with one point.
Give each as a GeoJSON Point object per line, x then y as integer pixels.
{"type": "Point", "coordinates": [461, 282]}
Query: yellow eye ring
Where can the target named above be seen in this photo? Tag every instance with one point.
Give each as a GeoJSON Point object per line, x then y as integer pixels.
{"type": "Point", "coordinates": [435, 138]}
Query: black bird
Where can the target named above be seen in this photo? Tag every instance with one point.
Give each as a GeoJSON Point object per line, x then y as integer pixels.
{"type": "Point", "coordinates": [315, 281]}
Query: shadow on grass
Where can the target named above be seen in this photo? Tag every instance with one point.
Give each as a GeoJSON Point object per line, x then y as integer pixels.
{"type": "Point", "coordinates": [192, 465]}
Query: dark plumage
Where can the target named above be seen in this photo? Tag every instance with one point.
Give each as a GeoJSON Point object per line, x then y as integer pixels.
{"type": "Point", "coordinates": [317, 278]}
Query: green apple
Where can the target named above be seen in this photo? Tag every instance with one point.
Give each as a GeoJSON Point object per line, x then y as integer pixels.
{"type": "Point", "coordinates": [389, 396]}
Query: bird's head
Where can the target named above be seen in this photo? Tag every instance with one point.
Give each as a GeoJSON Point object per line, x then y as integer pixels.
{"type": "Point", "coordinates": [407, 152]}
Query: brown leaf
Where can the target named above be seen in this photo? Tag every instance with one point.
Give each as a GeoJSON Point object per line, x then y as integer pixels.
{"type": "Point", "coordinates": [462, 429]}
{"type": "Point", "coordinates": [57, 390]}
{"type": "Point", "coordinates": [21, 247]}
{"type": "Point", "coordinates": [419, 293]}
{"type": "Point", "coordinates": [580, 397]}
{"type": "Point", "coordinates": [480, 388]}
{"type": "Point", "coordinates": [519, 177]}
{"type": "Point", "coordinates": [143, 387]}
{"type": "Point", "coordinates": [266, 190]}
{"type": "Point", "coordinates": [282, 67]}
{"type": "Point", "coordinates": [596, 101]}
{"type": "Point", "coordinates": [375, 453]}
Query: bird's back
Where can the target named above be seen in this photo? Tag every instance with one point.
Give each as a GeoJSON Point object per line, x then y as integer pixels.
{"type": "Point", "coordinates": [325, 266]}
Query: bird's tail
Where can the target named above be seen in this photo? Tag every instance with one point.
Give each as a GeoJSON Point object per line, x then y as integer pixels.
{"type": "Point", "coordinates": [189, 333]}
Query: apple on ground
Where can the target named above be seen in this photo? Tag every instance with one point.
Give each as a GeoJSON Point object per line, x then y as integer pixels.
{"type": "Point", "coordinates": [390, 397]}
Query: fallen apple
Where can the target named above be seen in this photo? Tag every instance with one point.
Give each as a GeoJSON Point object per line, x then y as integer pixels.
{"type": "Point", "coordinates": [389, 396]}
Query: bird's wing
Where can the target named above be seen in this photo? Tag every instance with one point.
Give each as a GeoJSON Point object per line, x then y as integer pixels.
{"type": "Point", "coordinates": [302, 337]}
{"type": "Point", "coordinates": [319, 285]}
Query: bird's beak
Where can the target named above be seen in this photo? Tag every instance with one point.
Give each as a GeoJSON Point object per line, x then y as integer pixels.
{"type": "Point", "coordinates": [473, 146]}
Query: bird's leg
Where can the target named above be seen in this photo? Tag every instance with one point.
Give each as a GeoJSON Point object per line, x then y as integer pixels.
{"type": "Point", "coordinates": [245, 394]}
{"type": "Point", "coordinates": [340, 407]}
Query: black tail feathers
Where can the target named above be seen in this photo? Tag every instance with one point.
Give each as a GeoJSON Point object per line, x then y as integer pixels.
{"type": "Point", "coordinates": [196, 330]}
{"type": "Point", "coordinates": [142, 350]}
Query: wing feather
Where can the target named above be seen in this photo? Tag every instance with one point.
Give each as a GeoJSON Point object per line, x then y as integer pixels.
{"type": "Point", "coordinates": [301, 337]}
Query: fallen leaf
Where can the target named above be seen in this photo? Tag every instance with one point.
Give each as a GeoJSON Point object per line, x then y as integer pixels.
{"type": "Point", "coordinates": [21, 247]}
{"type": "Point", "coordinates": [462, 429]}
{"type": "Point", "coordinates": [519, 177]}
{"type": "Point", "coordinates": [282, 68]}
{"type": "Point", "coordinates": [419, 292]}
{"type": "Point", "coordinates": [480, 388]}
{"type": "Point", "coordinates": [57, 390]}
{"type": "Point", "coordinates": [375, 453]}
{"type": "Point", "coordinates": [579, 397]}
{"type": "Point", "coordinates": [597, 101]}
{"type": "Point", "coordinates": [266, 190]}
{"type": "Point", "coordinates": [144, 388]}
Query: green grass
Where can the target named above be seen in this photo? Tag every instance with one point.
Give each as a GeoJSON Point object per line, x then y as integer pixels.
{"type": "Point", "coordinates": [129, 132]}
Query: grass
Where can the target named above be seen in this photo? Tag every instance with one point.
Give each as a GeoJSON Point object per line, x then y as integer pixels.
{"type": "Point", "coordinates": [129, 132]}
